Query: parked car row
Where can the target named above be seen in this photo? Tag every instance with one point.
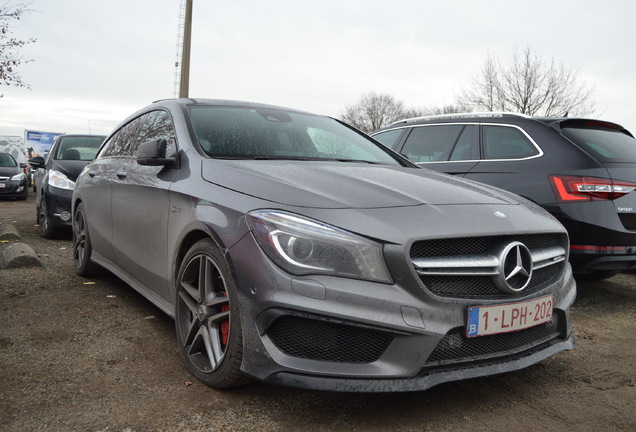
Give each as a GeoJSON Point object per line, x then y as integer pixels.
{"type": "Point", "coordinates": [582, 171]}
{"type": "Point", "coordinates": [293, 249]}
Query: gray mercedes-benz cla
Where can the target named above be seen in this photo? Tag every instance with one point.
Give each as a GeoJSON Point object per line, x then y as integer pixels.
{"type": "Point", "coordinates": [293, 249]}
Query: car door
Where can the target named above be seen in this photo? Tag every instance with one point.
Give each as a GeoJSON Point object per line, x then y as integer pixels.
{"type": "Point", "coordinates": [140, 207]}
{"type": "Point", "coordinates": [451, 148]}
{"type": "Point", "coordinates": [96, 182]}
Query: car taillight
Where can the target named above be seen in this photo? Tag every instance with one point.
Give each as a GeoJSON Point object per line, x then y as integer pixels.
{"type": "Point", "coordinates": [599, 249]}
{"type": "Point", "coordinates": [572, 188]}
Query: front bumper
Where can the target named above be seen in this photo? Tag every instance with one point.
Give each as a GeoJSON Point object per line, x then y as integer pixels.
{"type": "Point", "coordinates": [425, 379]}
{"type": "Point", "coordinates": [58, 205]}
{"type": "Point", "coordinates": [339, 334]}
{"type": "Point", "coordinates": [11, 188]}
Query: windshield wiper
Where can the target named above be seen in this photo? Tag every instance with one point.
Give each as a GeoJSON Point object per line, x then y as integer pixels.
{"type": "Point", "coordinates": [358, 161]}
{"type": "Point", "coordinates": [317, 159]}
{"type": "Point", "coordinates": [298, 158]}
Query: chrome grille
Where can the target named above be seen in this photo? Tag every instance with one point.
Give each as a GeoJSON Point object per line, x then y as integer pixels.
{"type": "Point", "coordinates": [467, 267]}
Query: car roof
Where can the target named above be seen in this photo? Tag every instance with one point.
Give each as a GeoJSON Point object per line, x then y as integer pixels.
{"type": "Point", "coordinates": [501, 117]}
{"type": "Point", "coordinates": [82, 135]}
{"type": "Point", "coordinates": [221, 102]}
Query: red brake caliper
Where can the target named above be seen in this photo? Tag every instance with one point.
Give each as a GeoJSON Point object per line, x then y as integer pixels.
{"type": "Point", "coordinates": [225, 325]}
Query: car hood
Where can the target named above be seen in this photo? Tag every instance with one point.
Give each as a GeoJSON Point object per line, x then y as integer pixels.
{"type": "Point", "coordinates": [350, 185]}
{"type": "Point", "coordinates": [9, 171]}
{"type": "Point", "coordinates": [70, 168]}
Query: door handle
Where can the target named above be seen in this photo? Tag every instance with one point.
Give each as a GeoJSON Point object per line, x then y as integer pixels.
{"type": "Point", "coordinates": [121, 174]}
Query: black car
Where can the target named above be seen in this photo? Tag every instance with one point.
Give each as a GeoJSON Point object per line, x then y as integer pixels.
{"type": "Point", "coordinates": [293, 249]}
{"type": "Point", "coordinates": [55, 178]}
{"type": "Point", "coordinates": [13, 180]}
{"type": "Point", "coordinates": [582, 171]}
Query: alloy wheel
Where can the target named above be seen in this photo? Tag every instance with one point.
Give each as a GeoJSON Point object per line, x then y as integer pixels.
{"type": "Point", "coordinates": [204, 313]}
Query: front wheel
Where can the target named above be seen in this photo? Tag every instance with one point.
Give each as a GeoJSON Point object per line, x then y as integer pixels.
{"type": "Point", "coordinates": [207, 317]}
{"type": "Point", "coordinates": [46, 228]}
{"type": "Point", "coordinates": [82, 248]}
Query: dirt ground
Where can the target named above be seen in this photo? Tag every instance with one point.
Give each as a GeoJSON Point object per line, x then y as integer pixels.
{"type": "Point", "coordinates": [92, 355]}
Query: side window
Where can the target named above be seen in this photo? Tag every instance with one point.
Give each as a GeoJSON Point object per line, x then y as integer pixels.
{"type": "Point", "coordinates": [389, 138]}
{"type": "Point", "coordinates": [120, 144]}
{"type": "Point", "coordinates": [156, 125]}
{"type": "Point", "coordinates": [432, 143]}
{"type": "Point", "coordinates": [464, 148]}
{"type": "Point", "coordinates": [506, 142]}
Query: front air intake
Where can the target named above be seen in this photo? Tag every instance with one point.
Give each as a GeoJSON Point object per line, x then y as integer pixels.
{"type": "Point", "coordinates": [316, 339]}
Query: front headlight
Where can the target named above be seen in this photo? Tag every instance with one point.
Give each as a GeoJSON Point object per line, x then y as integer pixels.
{"type": "Point", "coordinates": [19, 177]}
{"type": "Point", "coordinates": [59, 180]}
{"type": "Point", "coordinates": [304, 246]}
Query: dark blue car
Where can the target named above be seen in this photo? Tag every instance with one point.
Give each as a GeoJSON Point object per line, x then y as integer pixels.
{"type": "Point", "coordinates": [55, 179]}
{"type": "Point", "coordinates": [13, 180]}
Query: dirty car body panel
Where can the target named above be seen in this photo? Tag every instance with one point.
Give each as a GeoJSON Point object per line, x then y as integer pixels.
{"type": "Point", "coordinates": [328, 261]}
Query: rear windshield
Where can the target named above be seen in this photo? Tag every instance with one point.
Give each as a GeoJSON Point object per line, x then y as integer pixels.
{"type": "Point", "coordinates": [604, 142]}
{"type": "Point", "coordinates": [78, 148]}
{"type": "Point", "coordinates": [264, 133]}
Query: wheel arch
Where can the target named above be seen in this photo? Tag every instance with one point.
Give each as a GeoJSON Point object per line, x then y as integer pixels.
{"type": "Point", "coordinates": [186, 243]}
{"type": "Point", "coordinates": [189, 239]}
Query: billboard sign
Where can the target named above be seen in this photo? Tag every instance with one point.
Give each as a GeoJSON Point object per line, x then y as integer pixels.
{"type": "Point", "coordinates": [39, 143]}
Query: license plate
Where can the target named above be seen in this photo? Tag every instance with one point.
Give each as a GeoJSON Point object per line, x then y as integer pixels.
{"type": "Point", "coordinates": [509, 317]}
{"type": "Point", "coordinates": [2, 185]}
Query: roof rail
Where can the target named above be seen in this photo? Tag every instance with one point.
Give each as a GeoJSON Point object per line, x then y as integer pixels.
{"type": "Point", "coordinates": [462, 115]}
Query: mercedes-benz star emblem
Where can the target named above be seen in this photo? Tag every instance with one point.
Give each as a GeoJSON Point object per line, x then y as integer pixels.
{"type": "Point", "coordinates": [515, 268]}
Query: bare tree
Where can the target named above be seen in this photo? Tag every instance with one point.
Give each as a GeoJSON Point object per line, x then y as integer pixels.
{"type": "Point", "coordinates": [528, 85]}
{"type": "Point", "coordinates": [444, 109]}
{"type": "Point", "coordinates": [375, 110]}
{"type": "Point", "coordinates": [9, 46]}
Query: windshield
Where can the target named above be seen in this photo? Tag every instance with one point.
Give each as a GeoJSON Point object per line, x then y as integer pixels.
{"type": "Point", "coordinates": [78, 148]}
{"type": "Point", "coordinates": [605, 142]}
{"type": "Point", "coordinates": [264, 133]}
{"type": "Point", "coordinates": [6, 160]}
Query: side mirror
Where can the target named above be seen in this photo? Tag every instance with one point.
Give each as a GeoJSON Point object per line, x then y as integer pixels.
{"type": "Point", "coordinates": [153, 153]}
{"type": "Point", "coordinates": [23, 165]}
{"type": "Point", "coordinates": [37, 162]}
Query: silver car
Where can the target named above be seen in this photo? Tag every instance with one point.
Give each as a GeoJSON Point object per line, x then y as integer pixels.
{"type": "Point", "coordinates": [295, 250]}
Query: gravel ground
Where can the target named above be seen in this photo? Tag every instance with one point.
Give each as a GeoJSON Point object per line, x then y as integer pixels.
{"type": "Point", "coordinates": [92, 355]}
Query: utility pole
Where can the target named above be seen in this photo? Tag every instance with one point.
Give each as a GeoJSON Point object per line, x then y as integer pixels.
{"type": "Point", "coordinates": [184, 85]}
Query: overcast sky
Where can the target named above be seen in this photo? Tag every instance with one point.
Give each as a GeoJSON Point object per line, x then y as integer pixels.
{"type": "Point", "coordinates": [96, 62]}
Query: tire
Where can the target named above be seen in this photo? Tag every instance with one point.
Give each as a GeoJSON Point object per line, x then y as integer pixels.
{"type": "Point", "coordinates": [82, 249]}
{"type": "Point", "coordinates": [46, 229]}
{"type": "Point", "coordinates": [207, 317]}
